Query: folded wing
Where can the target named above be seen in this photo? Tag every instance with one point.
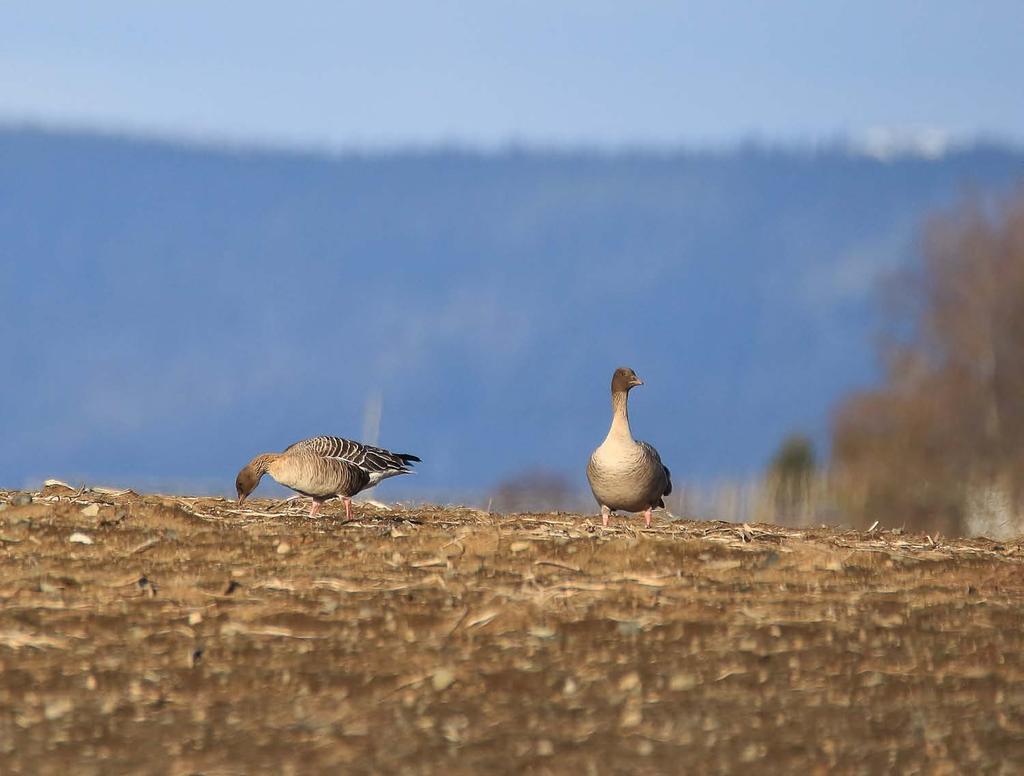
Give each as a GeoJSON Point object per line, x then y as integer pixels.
{"type": "Point", "coordinates": [655, 460]}
{"type": "Point", "coordinates": [376, 462]}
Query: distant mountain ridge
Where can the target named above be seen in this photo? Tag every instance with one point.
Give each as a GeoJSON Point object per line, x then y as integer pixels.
{"type": "Point", "coordinates": [171, 310]}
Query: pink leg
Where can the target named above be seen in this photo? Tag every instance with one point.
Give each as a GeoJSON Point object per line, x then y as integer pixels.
{"type": "Point", "coordinates": [348, 508]}
{"type": "Point", "coordinates": [314, 508]}
{"type": "Point", "coordinates": [605, 511]}
{"type": "Point", "coordinates": [647, 518]}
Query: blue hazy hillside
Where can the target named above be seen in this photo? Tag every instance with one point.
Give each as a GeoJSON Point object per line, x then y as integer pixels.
{"type": "Point", "coordinates": [169, 311]}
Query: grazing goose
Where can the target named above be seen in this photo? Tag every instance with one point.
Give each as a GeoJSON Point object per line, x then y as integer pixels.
{"type": "Point", "coordinates": [625, 474]}
{"type": "Point", "coordinates": [325, 467]}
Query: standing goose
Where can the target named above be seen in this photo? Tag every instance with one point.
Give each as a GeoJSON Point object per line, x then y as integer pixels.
{"type": "Point", "coordinates": [625, 474]}
{"type": "Point", "coordinates": [325, 467]}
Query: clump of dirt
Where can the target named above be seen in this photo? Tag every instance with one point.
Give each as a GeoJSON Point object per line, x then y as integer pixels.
{"type": "Point", "coordinates": [145, 633]}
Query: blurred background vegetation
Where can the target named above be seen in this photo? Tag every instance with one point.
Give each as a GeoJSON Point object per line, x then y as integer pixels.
{"type": "Point", "coordinates": [939, 445]}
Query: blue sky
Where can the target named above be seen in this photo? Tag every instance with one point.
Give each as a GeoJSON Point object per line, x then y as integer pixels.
{"type": "Point", "coordinates": [340, 74]}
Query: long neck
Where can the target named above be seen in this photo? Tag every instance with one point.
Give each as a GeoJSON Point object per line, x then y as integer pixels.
{"type": "Point", "coordinates": [261, 463]}
{"type": "Point", "coordinates": [620, 417]}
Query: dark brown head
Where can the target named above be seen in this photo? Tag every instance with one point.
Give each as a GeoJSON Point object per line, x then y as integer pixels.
{"type": "Point", "coordinates": [249, 478]}
{"type": "Point", "coordinates": [624, 379]}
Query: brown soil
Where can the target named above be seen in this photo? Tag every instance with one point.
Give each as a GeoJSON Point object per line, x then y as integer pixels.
{"type": "Point", "coordinates": [195, 637]}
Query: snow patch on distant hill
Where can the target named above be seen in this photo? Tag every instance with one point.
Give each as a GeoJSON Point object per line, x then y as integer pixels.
{"type": "Point", "coordinates": [888, 143]}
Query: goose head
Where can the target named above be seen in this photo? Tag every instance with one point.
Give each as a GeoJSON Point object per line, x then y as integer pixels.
{"type": "Point", "coordinates": [624, 379]}
{"type": "Point", "coordinates": [248, 479]}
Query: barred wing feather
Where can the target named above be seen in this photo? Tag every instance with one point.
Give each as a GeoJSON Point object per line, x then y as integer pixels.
{"type": "Point", "coordinates": [375, 461]}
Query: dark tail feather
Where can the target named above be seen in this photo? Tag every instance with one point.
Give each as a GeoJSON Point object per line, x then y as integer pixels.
{"type": "Point", "coordinates": [406, 458]}
{"type": "Point", "coordinates": [668, 476]}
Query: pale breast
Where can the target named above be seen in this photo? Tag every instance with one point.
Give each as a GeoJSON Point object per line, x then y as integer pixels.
{"type": "Point", "coordinates": [622, 477]}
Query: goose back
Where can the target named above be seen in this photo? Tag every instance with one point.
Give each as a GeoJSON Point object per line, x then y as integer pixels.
{"type": "Point", "coordinates": [376, 462]}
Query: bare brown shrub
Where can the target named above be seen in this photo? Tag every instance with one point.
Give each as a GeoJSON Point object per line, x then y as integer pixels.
{"type": "Point", "coordinates": [948, 422]}
{"type": "Point", "coordinates": [536, 490]}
